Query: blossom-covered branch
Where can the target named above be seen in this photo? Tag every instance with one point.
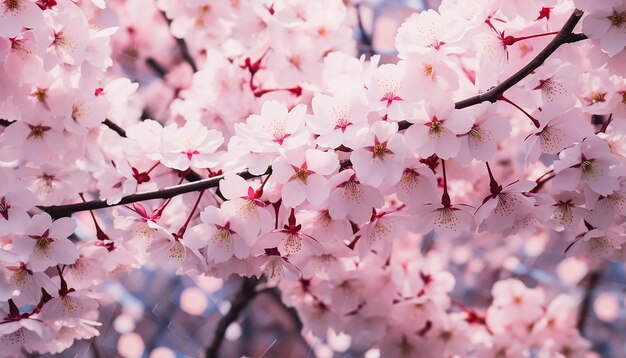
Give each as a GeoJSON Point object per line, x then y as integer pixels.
{"type": "Point", "coordinates": [563, 37]}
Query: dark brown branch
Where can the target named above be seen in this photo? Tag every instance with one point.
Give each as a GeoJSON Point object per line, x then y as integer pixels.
{"type": "Point", "coordinates": [160, 71]}
{"type": "Point", "coordinates": [57, 211]}
{"type": "Point", "coordinates": [366, 39]}
{"type": "Point", "coordinates": [585, 306]}
{"type": "Point", "coordinates": [191, 176]}
{"type": "Point", "coordinates": [564, 36]}
{"type": "Point", "coordinates": [182, 46]}
{"type": "Point", "coordinates": [246, 294]}
{"type": "Point", "coordinates": [5, 122]}
{"type": "Point", "coordinates": [119, 130]}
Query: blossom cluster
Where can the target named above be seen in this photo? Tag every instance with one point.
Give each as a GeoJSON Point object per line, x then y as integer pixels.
{"type": "Point", "coordinates": [333, 170]}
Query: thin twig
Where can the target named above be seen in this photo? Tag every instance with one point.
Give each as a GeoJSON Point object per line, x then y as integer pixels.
{"type": "Point", "coordinates": [182, 46]}
{"type": "Point", "coordinates": [158, 69]}
{"type": "Point", "coordinates": [585, 306]}
{"type": "Point", "coordinates": [564, 36]}
{"type": "Point", "coordinates": [119, 130]}
{"type": "Point", "coordinates": [5, 122]}
{"type": "Point", "coordinates": [366, 39]}
{"type": "Point", "coordinates": [246, 294]}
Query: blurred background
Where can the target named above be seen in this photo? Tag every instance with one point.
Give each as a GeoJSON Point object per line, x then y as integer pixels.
{"type": "Point", "coordinates": [156, 314]}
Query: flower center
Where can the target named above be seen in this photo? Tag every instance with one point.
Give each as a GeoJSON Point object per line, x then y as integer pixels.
{"type": "Point", "coordinates": [476, 133]}
{"type": "Point", "coordinates": [436, 128]}
{"type": "Point", "coordinates": [587, 166]}
{"type": "Point", "coordinates": [12, 5]}
{"type": "Point", "coordinates": [618, 18]}
{"type": "Point", "coordinates": [428, 69]}
{"type": "Point", "coordinates": [380, 151]}
{"type": "Point", "coordinates": [78, 110]}
{"type": "Point", "coordinates": [43, 243]}
{"type": "Point", "coordinates": [37, 132]}
{"type": "Point", "coordinates": [41, 94]}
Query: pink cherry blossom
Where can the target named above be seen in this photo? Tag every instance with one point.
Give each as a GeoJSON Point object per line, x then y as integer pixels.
{"type": "Point", "coordinates": [557, 131]}
{"type": "Point", "coordinates": [436, 129]}
{"type": "Point", "coordinates": [351, 199]}
{"type": "Point", "coordinates": [428, 31]}
{"type": "Point", "coordinates": [504, 206]}
{"type": "Point", "coordinates": [15, 15]}
{"type": "Point", "coordinates": [190, 146]}
{"type": "Point", "coordinates": [607, 24]}
{"type": "Point", "coordinates": [303, 176]}
{"type": "Point", "coordinates": [379, 157]}
{"type": "Point", "coordinates": [45, 242]}
{"type": "Point", "coordinates": [590, 163]}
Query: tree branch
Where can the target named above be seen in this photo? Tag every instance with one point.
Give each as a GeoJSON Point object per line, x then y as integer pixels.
{"type": "Point", "coordinates": [246, 294]}
{"type": "Point", "coordinates": [564, 36]}
{"type": "Point", "coordinates": [119, 130]}
{"type": "Point", "coordinates": [585, 306]}
{"type": "Point", "coordinates": [366, 39]}
{"type": "Point", "coordinates": [182, 46]}
{"type": "Point", "coordinates": [57, 211]}
{"type": "Point", "coordinates": [5, 122]}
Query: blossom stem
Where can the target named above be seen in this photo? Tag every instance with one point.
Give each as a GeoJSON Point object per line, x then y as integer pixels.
{"type": "Point", "coordinates": [99, 232]}
{"type": "Point", "coordinates": [445, 198]}
{"type": "Point", "coordinates": [494, 187]}
{"type": "Point", "coordinates": [605, 125]}
{"type": "Point", "coordinates": [183, 228]}
{"type": "Point", "coordinates": [152, 168]}
{"type": "Point", "coordinates": [510, 40]}
{"type": "Point", "coordinates": [534, 120]}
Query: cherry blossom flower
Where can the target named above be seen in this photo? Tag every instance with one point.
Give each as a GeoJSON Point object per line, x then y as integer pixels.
{"type": "Point", "coordinates": [607, 24]}
{"type": "Point", "coordinates": [289, 239]}
{"type": "Point", "coordinates": [435, 130]}
{"type": "Point", "coordinates": [15, 201]}
{"type": "Point", "coordinates": [558, 131]}
{"type": "Point", "coordinates": [379, 157]}
{"type": "Point", "coordinates": [417, 184]}
{"type": "Point", "coordinates": [598, 244]}
{"type": "Point", "coordinates": [488, 129]}
{"type": "Point", "coordinates": [68, 41]}
{"type": "Point", "coordinates": [553, 80]}
{"type": "Point", "coordinates": [182, 253]}
{"type": "Point", "coordinates": [590, 163]}
{"type": "Point", "coordinates": [34, 140]}
{"type": "Point", "coordinates": [501, 209]}
{"type": "Point", "coordinates": [337, 119]}
{"type": "Point", "coordinates": [352, 199]}
{"type": "Point", "coordinates": [390, 91]}
{"type": "Point", "coordinates": [17, 332]}
{"type": "Point", "coordinates": [245, 202]}
{"type": "Point", "coordinates": [23, 285]}
{"type": "Point", "coordinates": [275, 130]}
{"type": "Point", "coordinates": [514, 302]}
{"type": "Point", "coordinates": [190, 146]}
{"type": "Point", "coordinates": [17, 14]}
{"type": "Point", "coordinates": [227, 235]}
{"type": "Point", "coordinates": [428, 31]}
{"type": "Point", "coordinates": [302, 176]}
{"type": "Point", "coordinates": [46, 242]}
{"type": "Point", "coordinates": [449, 221]}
